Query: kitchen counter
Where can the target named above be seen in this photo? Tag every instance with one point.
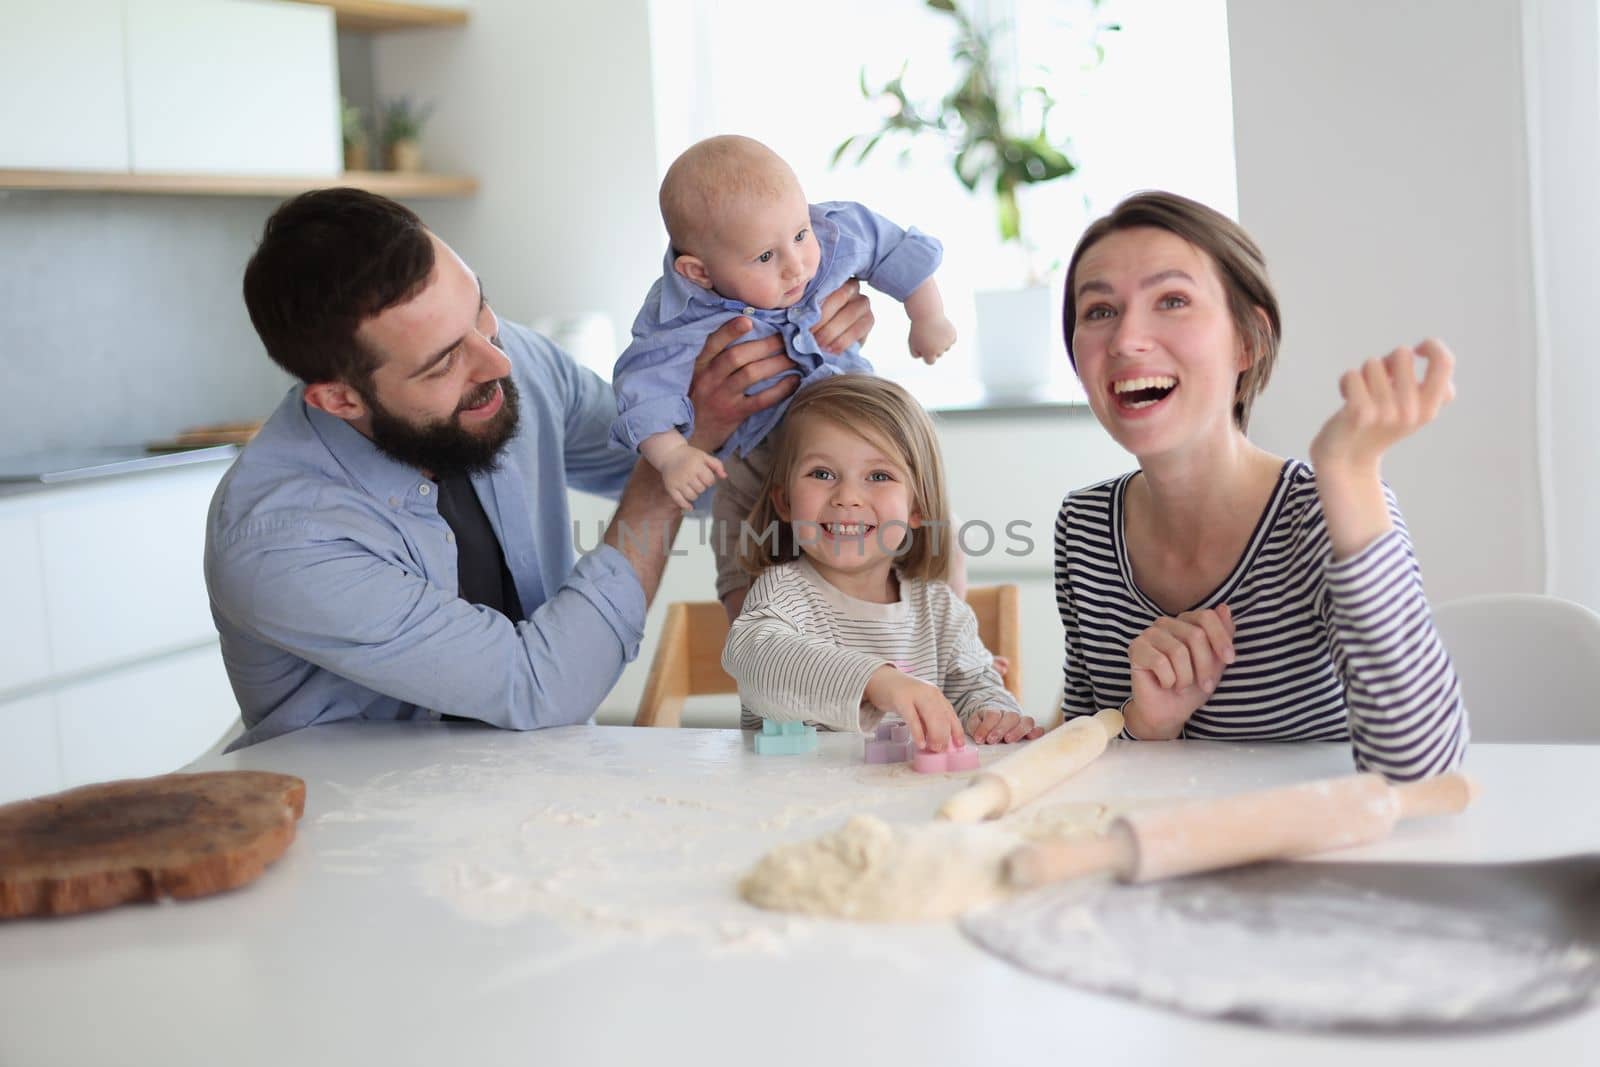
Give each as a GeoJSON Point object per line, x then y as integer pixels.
{"type": "Point", "coordinates": [43, 470]}
{"type": "Point", "coordinates": [462, 895]}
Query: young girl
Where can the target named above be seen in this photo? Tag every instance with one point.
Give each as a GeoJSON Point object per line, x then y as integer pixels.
{"type": "Point", "coordinates": [1220, 591]}
{"type": "Point", "coordinates": [850, 616]}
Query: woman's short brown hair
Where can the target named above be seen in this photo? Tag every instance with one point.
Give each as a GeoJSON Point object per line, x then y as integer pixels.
{"type": "Point", "coordinates": [888, 416]}
{"type": "Point", "coordinates": [1240, 265]}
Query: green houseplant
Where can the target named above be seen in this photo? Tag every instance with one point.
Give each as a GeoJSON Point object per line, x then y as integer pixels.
{"type": "Point", "coordinates": [399, 130]}
{"type": "Point", "coordinates": [978, 120]}
{"type": "Point", "coordinates": [352, 130]}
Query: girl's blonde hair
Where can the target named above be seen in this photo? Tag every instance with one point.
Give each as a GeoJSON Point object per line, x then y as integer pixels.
{"type": "Point", "coordinates": [889, 417]}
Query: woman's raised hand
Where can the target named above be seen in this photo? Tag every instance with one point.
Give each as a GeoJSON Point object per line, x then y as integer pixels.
{"type": "Point", "coordinates": [1176, 665]}
{"type": "Point", "coordinates": [1384, 404]}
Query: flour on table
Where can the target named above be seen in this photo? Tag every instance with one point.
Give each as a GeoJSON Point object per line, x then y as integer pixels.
{"type": "Point", "coordinates": [871, 870]}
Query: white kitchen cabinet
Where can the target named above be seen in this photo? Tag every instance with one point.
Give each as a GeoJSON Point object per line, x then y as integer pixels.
{"type": "Point", "coordinates": [109, 663]}
{"type": "Point", "coordinates": [148, 719]}
{"type": "Point", "coordinates": [30, 751]}
{"type": "Point", "coordinates": [121, 561]}
{"type": "Point", "coordinates": [232, 87]}
{"type": "Point", "coordinates": [24, 645]}
{"type": "Point", "coordinates": [63, 89]}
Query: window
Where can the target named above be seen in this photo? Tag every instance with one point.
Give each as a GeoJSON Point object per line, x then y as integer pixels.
{"type": "Point", "coordinates": [1156, 113]}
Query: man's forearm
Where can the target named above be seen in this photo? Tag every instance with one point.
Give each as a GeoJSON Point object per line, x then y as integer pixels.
{"type": "Point", "coordinates": [643, 527]}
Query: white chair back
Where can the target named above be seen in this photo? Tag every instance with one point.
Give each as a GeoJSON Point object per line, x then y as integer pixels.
{"type": "Point", "coordinates": [1529, 666]}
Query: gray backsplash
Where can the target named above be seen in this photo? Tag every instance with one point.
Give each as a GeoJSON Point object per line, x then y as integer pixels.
{"type": "Point", "coordinates": [121, 319]}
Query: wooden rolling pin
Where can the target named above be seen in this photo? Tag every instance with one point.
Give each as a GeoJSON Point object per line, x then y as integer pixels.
{"type": "Point", "coordinates": [1010, 782]}
{"type": "Point", "coordinates": [1271, 824]}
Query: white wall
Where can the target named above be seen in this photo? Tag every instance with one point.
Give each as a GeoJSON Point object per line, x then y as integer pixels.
{"type": "Point", "coordinates": [1382, 165]}
{"type": "Point", "coordinates": [548, 104]}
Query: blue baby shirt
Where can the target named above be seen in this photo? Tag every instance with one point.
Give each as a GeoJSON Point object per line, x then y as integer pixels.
{"type": "Point", "coordinates": [652, 375]}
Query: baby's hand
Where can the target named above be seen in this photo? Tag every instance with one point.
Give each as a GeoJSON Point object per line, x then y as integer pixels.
{"type": "Point", "coordinates": [688, 472]}
{"type": "Point", "coordinates": [994, 727]}
{"type": "Point", "coordinates": [934, 724]}
{"type": "Point", "coordinates": [932, 337]}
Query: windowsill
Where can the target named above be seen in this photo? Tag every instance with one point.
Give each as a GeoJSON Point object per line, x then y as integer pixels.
{"type": "Point", "coordinates": [977, 402]}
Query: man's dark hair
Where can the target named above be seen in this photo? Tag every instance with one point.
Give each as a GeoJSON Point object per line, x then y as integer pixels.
{"type": "Point", "coordinates": [329, 259]}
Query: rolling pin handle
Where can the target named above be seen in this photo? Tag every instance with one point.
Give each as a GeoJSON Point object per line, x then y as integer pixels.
{"type": "Point", "coordinates": [1110, 720]}
{"type": "Point", "coordinates": [1444, 794]}
{"type": "Point", "coordinates": [987, 797]}
{"type": "Point", "coordinates": [1043, 862]}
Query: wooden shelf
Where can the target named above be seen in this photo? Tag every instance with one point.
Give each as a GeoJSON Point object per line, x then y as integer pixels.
{"type": "Point", "coordinates": [389, 183]}
{"type": "Point", "coordinates": [370, 16]}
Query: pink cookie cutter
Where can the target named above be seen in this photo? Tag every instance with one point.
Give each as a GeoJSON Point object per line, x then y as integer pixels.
{"type": "Point", "coordinates": [951, 759]}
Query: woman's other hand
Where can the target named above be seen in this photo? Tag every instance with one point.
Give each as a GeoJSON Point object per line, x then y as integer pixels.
{"type": "Point", "coordinates": [1176, 665]}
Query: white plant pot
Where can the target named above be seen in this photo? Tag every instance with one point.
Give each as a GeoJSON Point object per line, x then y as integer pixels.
{"type": "Point", "coordinates": [1015, 332]}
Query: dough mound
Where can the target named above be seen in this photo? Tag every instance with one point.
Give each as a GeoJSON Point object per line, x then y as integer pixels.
{"type": "Point", "coordinates": [869, 870]}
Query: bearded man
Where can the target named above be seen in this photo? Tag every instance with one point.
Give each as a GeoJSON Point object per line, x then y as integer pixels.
{"type": "Point", "coordinates": [395, 543]}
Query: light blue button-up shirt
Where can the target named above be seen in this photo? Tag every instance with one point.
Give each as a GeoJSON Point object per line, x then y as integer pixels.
{"type": "Point", "coordinates": [333, 576]}
{"type": "Point", "coordinates": [652, 375]}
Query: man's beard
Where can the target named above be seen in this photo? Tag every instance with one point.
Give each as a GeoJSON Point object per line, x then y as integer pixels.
{"type": "Point", "coordinates": [445, 448]}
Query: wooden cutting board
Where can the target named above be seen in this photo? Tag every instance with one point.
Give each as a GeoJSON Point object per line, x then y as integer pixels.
{"type": "Point", "coordinates": [176, 835]}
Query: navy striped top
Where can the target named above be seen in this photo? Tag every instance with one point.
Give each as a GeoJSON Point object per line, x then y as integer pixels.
{"type": "Point", "coordinates": [1325, 651]}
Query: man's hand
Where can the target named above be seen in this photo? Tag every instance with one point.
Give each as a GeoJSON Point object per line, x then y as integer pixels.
{"type": "Point", "coordinates": [727, 368]}
{"type": "Point", "coordinates": [724, 370]}
{"type": "Point", "coordinates": [846, 318]}
{"type": "Point", "coordinates": [1176, 665]}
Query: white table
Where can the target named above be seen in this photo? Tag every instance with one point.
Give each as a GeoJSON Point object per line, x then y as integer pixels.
{"type": "Point", "coordinates": [460, 895]}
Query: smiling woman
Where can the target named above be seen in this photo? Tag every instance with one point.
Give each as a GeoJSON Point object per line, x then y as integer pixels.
{"type": "Point", "coordinates": [1220, 591]}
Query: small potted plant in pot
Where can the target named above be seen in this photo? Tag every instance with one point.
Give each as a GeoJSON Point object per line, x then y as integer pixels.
{"type": "Point", "coordinates": [990, 149]}
{"type": "Point", "coordinates": [353, 132]}
{"type": "Point", "coordinates": [400, 131]}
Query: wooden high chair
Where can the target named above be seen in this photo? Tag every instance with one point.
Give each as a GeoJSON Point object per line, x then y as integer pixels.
{"type": "Point", "coordinates": [688, 659]}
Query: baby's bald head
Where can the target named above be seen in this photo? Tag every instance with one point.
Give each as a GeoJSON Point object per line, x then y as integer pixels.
{"type": "Point", "coordinates": [712, 176]}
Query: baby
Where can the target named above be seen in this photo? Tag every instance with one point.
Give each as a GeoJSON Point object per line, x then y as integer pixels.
{"type": "Point", "coordinates": [744, 241]}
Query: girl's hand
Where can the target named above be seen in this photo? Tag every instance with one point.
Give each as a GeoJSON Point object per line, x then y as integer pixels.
{"type": "Point", "coordinates": [994, 727]}
{"type": "Point", "coordinates": [934, 723]}
{"type": "Point", "coordinates": [1383, 404]}
{"type": "Point", "coordinates": [1177, 664]}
